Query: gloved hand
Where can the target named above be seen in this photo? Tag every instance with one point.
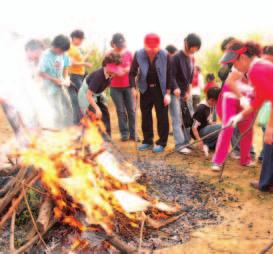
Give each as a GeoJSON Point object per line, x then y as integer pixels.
{"type": "Point", "coordinates": [66, 82]}
{"type": "Point", "coordinates": [167, 100]}
{"type": "Point", "coordinates": [244, 102]}
{"type": "Point", "coordinates": [233, 121]}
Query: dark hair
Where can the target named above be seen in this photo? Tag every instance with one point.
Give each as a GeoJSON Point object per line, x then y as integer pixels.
{"type": "Point", "coordinates": [225, 42]}
{"type": "Point", "coordinates": [62, 42]}
{"type": "Point", "coordinates": [77, 34]}
{"type": "Point", "coordinates": [268, 50]}
{"type": "Point", "coordinates": [198, 68]}
{"type": "Point", "coordinates": [171, 49]}
{"type": "Point", "coordinates": [213, 93]}
{"type": "Point", "coordinates": [253, 49]}
{"type": "Point", "coordinates": [193, 40]}
{"type": "Point", "coordinates": [34, 45]}
{"type": "Point", "coordinates": [111, 59]}
{"type": "Point", "coordinates": [210, 77]}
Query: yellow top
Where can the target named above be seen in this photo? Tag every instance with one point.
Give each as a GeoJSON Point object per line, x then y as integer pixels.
{"type": "Point", "coordinates": [76, 56]}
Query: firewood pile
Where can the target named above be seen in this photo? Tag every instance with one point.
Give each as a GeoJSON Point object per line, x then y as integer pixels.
{"type": "Point", "coordinates": [82, 185]}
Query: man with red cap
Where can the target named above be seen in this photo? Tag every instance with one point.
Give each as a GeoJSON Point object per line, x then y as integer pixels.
{"type": "Point", "coordinates": [151, 67]}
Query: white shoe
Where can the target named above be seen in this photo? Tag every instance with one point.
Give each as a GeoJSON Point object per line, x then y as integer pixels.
{"type": "Point", "coordinates": [251, 164]}
{"type": "Point", "coordinates": [235, 156]}
{"type": "Point", "coordinates": [216, 167]}
{"type": "Point", "coordinates": [185, 150]}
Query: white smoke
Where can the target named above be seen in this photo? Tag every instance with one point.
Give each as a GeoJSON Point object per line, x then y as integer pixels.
{"type": "Point", "coordinates": [18, 88]}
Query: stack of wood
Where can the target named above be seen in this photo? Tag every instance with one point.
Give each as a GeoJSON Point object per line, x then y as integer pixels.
{"type": "Point", "coordinates": [17, 180]}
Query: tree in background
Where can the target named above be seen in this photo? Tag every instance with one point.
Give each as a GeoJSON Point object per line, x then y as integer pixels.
{"type": "Point", "coordinates": [209, 60]}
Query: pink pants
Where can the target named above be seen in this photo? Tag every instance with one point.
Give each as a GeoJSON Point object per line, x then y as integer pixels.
{"type": "Point", "coordinates": [229, 107]}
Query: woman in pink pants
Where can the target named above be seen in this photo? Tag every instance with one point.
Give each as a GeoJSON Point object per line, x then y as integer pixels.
{"type": "Point", "coordinates": [229, 105]}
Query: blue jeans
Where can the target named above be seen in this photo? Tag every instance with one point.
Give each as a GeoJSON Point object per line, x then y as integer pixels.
{"type": "Point", "coordinates": [266, 177]}
{"type": "Point", "coordinates": [212, 140]}
{"type": "Point", "coordinates": [181, 135]}
{"type": "Point", "coordinates": [76, 83]}
{"type": "Point", "coordinates": [123, 100]}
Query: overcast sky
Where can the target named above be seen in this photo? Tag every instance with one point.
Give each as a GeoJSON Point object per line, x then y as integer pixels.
{"type": "Point", "coordinates": [171, 19]}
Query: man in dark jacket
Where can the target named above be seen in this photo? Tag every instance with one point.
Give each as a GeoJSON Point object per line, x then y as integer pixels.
{"type": "Point", "coordinates": [182, 64]}
{"type": "Point", "coordinates": [151, 66]}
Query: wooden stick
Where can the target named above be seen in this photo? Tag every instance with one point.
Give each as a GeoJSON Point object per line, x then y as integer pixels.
{"type": "Point", "coordinates": [12, 227]}
{"type": "Point", "coordinates": [141, 232]}
{"type": "Point", "coordinates": [31, 242]}
{"type": "Point", "coordinates": [267, 248]}
{"type": "Point", "coordinates": [159, 224]}
{"type": "Point", "coordinates": [8, 171]}
{"type": "Point", "coordinates": [15, 204]}
{"type": "Point", "coordinates": [33, 220]}
{"type": "Point", "coordinates": [14, 189]}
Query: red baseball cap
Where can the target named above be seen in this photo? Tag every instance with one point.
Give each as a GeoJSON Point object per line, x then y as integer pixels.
{"type": "Point", "coordinates": [231, 56]}
{"type": "Point", "coordinates": [152, 40]}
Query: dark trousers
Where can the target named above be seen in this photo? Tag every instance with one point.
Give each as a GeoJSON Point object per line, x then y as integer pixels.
{"type": "Point", "coordinates": [266, 177]}
{"type": "Point", "coordinates": [105, 114]}
{"type": "Point", "coordinates": [153, 98]}
{"type": "Point", "coordinates": [76, 83]}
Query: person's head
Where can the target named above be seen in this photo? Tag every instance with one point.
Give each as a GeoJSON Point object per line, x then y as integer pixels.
{"type": "Point", "coordinates": [152, 44]}
{"type": "Point", "coordinates": [118, 42]}
{"type": "Point", "coordinates": [226, 42]}
{"type": "Point", "coordinates": [210, 77]}
{"type": "Point", "coordinates": [212, 96]}
{"type": "Point", "coordinates": [241, 55]}
{"type": "Point", "coordinates": [192, 43]}
{"type": "Point", "coordinates": [77, 37]}
{"type": "Point", "coordinates": [197, 69]}
{"type": "Point", "coordinates": [34, 49]}
{"type": "Point", "coordinates": [171, 49]}
{"type": "Point", "coordinates": [60, 44]}
{"type": "Point", "coordinates": [110, 64]}
{"type": "Point", "coordinates": [268, 53]}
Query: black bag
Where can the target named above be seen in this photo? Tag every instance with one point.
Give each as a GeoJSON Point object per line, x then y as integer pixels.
{"type": "Point", "coordinates": [186, 115]}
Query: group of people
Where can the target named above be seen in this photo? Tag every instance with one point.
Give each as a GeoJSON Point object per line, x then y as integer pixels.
{"type": "Point", "coordinates": [166, 79]}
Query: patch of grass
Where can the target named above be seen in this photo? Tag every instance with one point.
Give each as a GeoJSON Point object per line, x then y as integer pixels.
{"type": "Point", "coordinates": [34, 201]}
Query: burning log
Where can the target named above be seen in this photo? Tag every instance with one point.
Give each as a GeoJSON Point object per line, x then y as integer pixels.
{"type": "Point", "coordinates": [45, 214]}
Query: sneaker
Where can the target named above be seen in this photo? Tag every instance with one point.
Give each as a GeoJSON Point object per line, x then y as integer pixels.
{"type": "Point", "coordinates": [144, 147]}
{"type": "Point", "coordinates": [215, 167]}
{"type": "Point", "coordinates": [235, 155]}
{"type": "Point", "coordinates": [158, 149]}
{"type": "Point", "coordinates": [184, 150]}
{"type": "Point", "coordinates": [251, 164]}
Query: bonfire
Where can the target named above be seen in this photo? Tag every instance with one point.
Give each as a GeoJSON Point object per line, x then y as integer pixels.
{"type": "Point", "coordinates": [83, 185]}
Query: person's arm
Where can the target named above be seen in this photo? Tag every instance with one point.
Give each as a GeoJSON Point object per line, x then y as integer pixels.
{"type": "Point", "coordinates": [167, 97]}
{"type": "Point", "coordinates": [197, 136]}
{"type": "Point", "coordinates": [93, 104]}
{"type": "Point", "coordinates": [46, 76]}
{"type": "Point", "coordinates": [231, 81]}
{"type": "Point", "coordinates": [133, 72]}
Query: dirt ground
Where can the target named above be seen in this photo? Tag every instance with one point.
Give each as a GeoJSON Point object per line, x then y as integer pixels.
{"type": "Point", "coordinates": [247, 223]}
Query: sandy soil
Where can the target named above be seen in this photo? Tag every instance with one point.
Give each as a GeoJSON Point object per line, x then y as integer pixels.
{"type": "Point", "coordinates": [247, 224]}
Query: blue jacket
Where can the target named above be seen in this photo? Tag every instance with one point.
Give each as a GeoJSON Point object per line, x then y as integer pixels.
{"type": "Point", "coordinates": [140, 68]}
